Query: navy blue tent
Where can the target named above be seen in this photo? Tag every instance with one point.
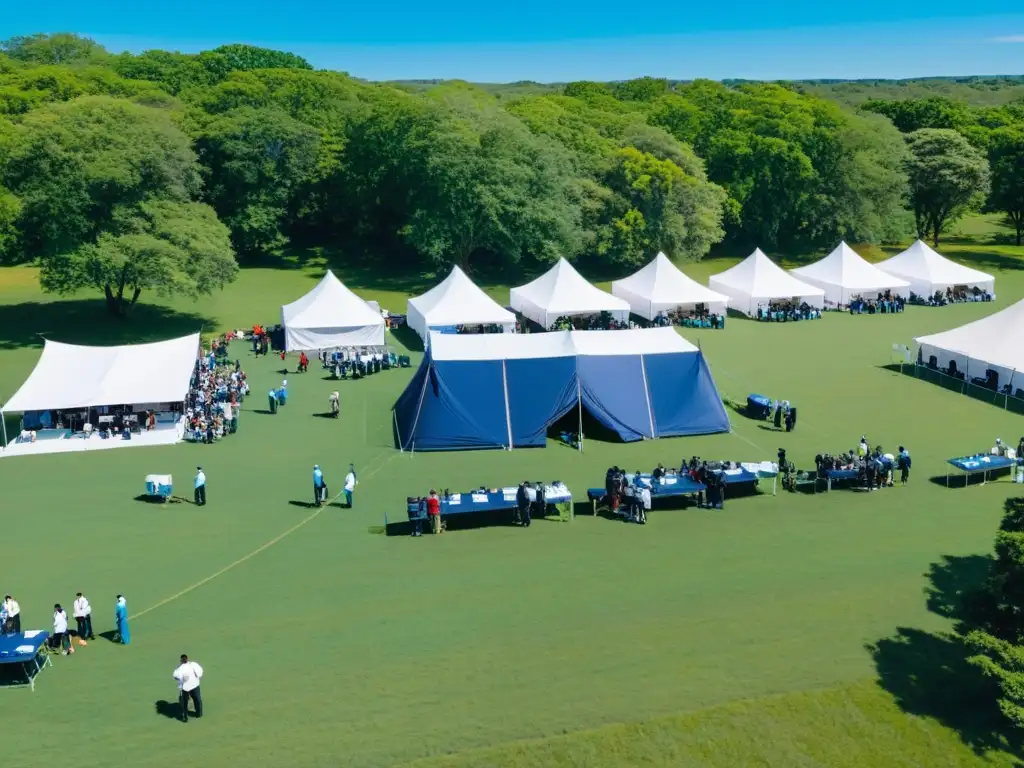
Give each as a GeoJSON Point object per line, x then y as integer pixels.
{"type": "Point", "coordinates": [505, 390]}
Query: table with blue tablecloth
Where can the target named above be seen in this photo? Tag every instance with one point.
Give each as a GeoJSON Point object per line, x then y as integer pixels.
{"type": "Point", "coordinates": [840, 476]}
{"type": "Point", "coordinates": [556, 496]}
{"type": "Point", "coordinates": [25, 652]}
{"type": "Point", "coordinates": [669, 486]}
{"type": "Point", "coordinates": [982, 464]}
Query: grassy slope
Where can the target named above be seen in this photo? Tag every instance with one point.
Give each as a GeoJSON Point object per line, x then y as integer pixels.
{"type": "Point", "coordinates": [335, 644]}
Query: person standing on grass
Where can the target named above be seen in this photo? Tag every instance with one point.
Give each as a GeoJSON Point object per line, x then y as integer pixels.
{"type": "Point", "coordinates": [903, 462]}
{"type": "Point", "coordinates": [350, 485]}
{"type": "Point", "coordinates": [200, 487]}
{"type": "Point", "coordinates": [188, 674]}
{"type": "Point", "coordinates": [61, 639]}
{"type": "Point", "coordinates": [13, 611]}
{"type": "Point", "coordinates": [434, 511]}
{"type": "Point", "coordinates": [121, 621]}
{"type": "Point", "coordinates": [319, 486]}
{"type": "Point", "coordinates": [83, 617]}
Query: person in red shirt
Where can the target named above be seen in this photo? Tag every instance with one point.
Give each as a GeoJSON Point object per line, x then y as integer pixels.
{"type": "Point", "coordinates": [303, 362]}
{"type": "Point", "coordinates": [434, 511]}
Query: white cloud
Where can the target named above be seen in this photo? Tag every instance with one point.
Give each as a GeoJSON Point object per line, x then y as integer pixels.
{"type": "Point", "coordinates": [1009, 39]}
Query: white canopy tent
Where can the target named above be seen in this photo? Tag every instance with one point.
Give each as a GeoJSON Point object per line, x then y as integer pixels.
{"type": "Point", "coordinates": [563, 292]}
{"type": "Point", "coordinates": [330, 316]}
{"type": "Point", "coordinates": [661, 286]}
{"type": "Point", "coordinates": [457, 300]}
{"type": "Point", "coordinates": [757, 280]}
{"type": "Point", "coordinates": [995, 341]}
{"type": "Point", "coordinates": [70, 376]}
{"type": "Point", "coordinates": [844, 276]}
{"type": "Point", "coordinates": [928, 271]}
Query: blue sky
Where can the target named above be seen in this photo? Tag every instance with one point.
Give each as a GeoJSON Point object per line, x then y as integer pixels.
{"type": "Point", "coordinates": [557, 41]}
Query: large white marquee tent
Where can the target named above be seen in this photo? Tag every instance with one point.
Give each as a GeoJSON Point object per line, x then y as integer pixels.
{"type": "Point", "coordinates": [456, 300]}
{"type": "Point", "coordinates": [563, 292]}
{"type": "Point", "coordinates": [928, 271]}
{"type": "Point", "coordinates": [844, 276]}
{"type": "Point", "coordinates": [329, 316]}
{"type": "Point", "coordinates": [757, 280]}
{"type": "Point", "coordinates": [661, 287]}
{"type": "Point", "coordinates": [71, 376]}
{"type": "Point", "coordinates": [995, 341]}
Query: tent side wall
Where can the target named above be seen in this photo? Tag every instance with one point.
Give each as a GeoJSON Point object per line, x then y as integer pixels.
{"type": "Point", "coordinates": [739, 300]}
{"type": "Point", "coordinates": [683, 395]}
{"type": "Point", "coordinates": [416, 321]}
{"type": "Point", "coordinates": [614, 392]}
{"type": "Point", "coordinates": [540, 392]}
{"type": "Point", "coordinates": [311, 339]}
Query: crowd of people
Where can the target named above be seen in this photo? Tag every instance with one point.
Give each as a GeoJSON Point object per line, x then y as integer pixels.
{"type": "Point", "coordinates": [354, 362]}
{"type": "Point", "coordinates": [885, 304]}
{"type": "Point", "coordinates": [215, 394]}
{"type": "Point", "coordinates": [958, 294]}
{"type": "Point", "coordinates": [698, 317]}
{"type": "Point", "coordinates": [787, 312]}
{"type": "Point", "coordinates": [874, 467]}
{"type": "Point", "coordinates": [602, 321]}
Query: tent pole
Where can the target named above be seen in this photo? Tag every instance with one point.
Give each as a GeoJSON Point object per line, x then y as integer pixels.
{"type": "Point", "coordinates": [647, 397]}
{"type": "Point", "coordinates": [3, 422]}
{"type": "Point", "coordinates": [508, 415]}
{"type": "Point", "coordinates": [401, 448]}
{"type": "Point", "coordinates": [419, 406]}
{"type": "Point", "coordinates": [579, 401]}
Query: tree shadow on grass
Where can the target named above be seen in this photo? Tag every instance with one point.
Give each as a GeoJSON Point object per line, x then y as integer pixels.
{"type": "Point", "coordinates": [408, 338]}
{"type": "Point", "coordinates": [86, 321]}
{"type": "Point", "coordinates": [928, 674]}
{"type": "Point", "coordinates": [986, 259]}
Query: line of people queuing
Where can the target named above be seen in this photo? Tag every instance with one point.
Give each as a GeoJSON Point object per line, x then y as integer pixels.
{"type": "Point", "coordinates": [215, 394]}
{"type": "Point", "coordinates": [885, 304]}
{"type": "Point", "coordinates": [787, 312]}
{"type": "Point", "coordinates": [61, 637]}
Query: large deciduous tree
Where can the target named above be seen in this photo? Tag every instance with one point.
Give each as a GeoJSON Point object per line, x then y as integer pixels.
{"type": "Point", "coordinates": [258, 161]}
{"type": "Point", "coordinates": [105, 184]}
{"type": "Point", "coordinates": [167, 246]}
{"type": "Point", "coordinates": [60, 48]}
{"type": "Point", "coordinates": [1006, 158]}
{"type": "Point", "coordinates": [947, 177]}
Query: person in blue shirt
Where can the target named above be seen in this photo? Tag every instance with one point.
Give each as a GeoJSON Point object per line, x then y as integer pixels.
{"type": "Point", "coordinates": [121, 620]}
{"type": "Point", "coordinates": [319, 487]}
{"type": "Point", "coordinates": [903, 462]}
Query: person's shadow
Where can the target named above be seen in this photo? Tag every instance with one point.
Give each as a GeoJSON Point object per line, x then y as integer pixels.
{"type": "Point", "coordinates": [169, 709]}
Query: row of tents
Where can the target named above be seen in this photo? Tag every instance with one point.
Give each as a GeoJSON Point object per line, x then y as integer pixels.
{"type": "Point", "coordinates": [331, 315]}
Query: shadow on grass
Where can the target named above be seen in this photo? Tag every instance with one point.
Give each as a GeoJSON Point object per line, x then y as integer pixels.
{"type": "Point", "coordinates": [324, 415]}
{"type": "Point", "coordinates": [110, 636]}
{"type": "Point", "coordinates": [408, 338]}
{"type": "Point", "coordinates": [303, 504]}
{"type": "Point", "coordinates": [169, 709]}
{"type": "Point", "coordinates": [928, 673]}
{"type": "Point", "coordinates": [86, 321]}
{"type": "Point", "coordinates": [263, 412]}
{"type": "Point", "coordinates": [953, 587]}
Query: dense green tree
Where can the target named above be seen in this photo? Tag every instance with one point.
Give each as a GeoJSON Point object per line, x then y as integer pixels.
{"type": "Point", "coordinates": [492, 188]}
{"type": "Point", "coordinates": [167, 246]}
{"type": "Point", "coordinates": [1006, 158]}
{"type": "Point", "coordinates": [910, 115]}
{"type": "Point", "coordinates": [243, 57]}
{"type": "Point", "coordinates": [947, 177]}
{"type": "Point", "coordinates": [75, 163]}
{"type": "Point", "coordinates": [257, 162]}
{"type": "Point", "coordinates": [61, 48]}
{"type": "Point", "coordinates": [640, 89]}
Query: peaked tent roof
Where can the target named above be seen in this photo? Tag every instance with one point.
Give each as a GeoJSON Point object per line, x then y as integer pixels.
{"type": "Point", "coordinates": [506, 390]}
{"type": "Point", "coordinates": [331, 315]}
{"type": "Point", "coordinates": [843, 274]}
{"type": "Point", "coordinates": [758, 279]}
{"type": "Point", "coordinates": [77, 376]}
{"type": "Point", "coordinates": [662, 285]}
{"type": "Point", "coordinates": [563, 291]}
{"type": "Point", "coordinates": [456, 300]}
{"type": "Point", "coordinates": [921, 265]}
{"type": "Point", "coordinates": [997, 339]}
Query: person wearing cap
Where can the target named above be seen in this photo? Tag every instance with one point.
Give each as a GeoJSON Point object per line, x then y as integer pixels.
{"type": "Point", "coordinates": [200, 487]}
{"type": "Point", "coordinates": [319, 487]}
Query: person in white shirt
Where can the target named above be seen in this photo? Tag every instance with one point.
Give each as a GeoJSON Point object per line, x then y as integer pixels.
{"type": "Point", "coordinates": [83, 617]}
{"type": "Point", "coordinates": [187, 675]}
{"type": "Point", "coordinates": [200, 495]}
{"type": "Point", "coordinates": [60, 637]}
{"type": "Point", "coordinates": [350, 485]}
{"type": "Point", "coordinates": [13, 614]}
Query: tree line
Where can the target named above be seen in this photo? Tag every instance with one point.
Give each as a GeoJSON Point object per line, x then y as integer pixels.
{"type": "Point", "coordinates": [163, 171]}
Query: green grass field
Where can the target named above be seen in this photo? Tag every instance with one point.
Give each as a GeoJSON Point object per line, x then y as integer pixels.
{"type": "Point", "coordinates": [787, 631]}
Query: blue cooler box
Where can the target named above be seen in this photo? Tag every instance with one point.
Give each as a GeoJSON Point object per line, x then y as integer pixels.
{"type": "Point", "coordinates": [159, 485]}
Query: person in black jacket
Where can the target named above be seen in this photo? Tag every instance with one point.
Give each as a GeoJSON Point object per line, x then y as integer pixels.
{"type": "Point", "coordinates": [523, 505]}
